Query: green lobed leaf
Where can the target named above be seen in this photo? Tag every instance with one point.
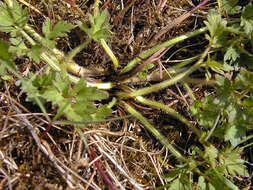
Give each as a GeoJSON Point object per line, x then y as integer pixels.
{"type": "Point", "coordinates": [19, 14]}
{"type": "Point", "coordinates": [6, 20]}
{"type": "Point", "coordinates": [90, 94]}
{"type": "Point", "coordinates": [5, 61]}
{"type": "Point", "coordinates": [18, 47]}
{"type": "Point", "coordinates": [177, 185]}
{"type": "Point", "coordinates": [216, 26]}
{"type": "Point", "coordinates": [60, 29]}
{"type": "Point", "coordinates": [231, 55]}
{"type": "Point", "coordinates": [63, 106]}
{"type": "Point", "coordinates": [234, 134]}
{"type": "Point", "coordinates": [211, 153]}
{"type": "Point", "coordinates": [215, 23]}
{"type": "Point", "coordinates": [31, 90]}
{"type": "Point", "coordinates": [101, 19]}
{"type": "Point", "coordinates": [35, 53]}
{"type": "Point", "coordinates": [4, 53]}
{"type": "Point", "coordinates": [99, 29]}
{"type": "Point", "coordinates": [78, 86]}
{"type": "Point", "coordinates": [62, 85]}
{"type": "Point", "coordinates": [11, 17]}
{"type": "Point", "coordinates": [201, 183]}
{"type": "Point", "coordinates": [230, 7]}
{"type": "Point", "coordinates": [84, 107]}
{"type": "Point", "coordinates": [234, 164]}
{"type": "Point", "coordinates": [74, 102]}
{"type": "Point", "coordinates": [53, 95]}
{"type": "Point", "coordinates": [247, 18]}
{"type": "Point", "coordinates": [102, 112]}
{"type": "Point", "coordinates": [73, 116]}
{"type": "Point", "coordinates": [46, 28]}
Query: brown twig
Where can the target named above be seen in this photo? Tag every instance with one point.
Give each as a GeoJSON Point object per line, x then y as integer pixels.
{"type": "Point", "coordinates": [101, 171]}
{"type": "Point", "coordinates": [177, 21]}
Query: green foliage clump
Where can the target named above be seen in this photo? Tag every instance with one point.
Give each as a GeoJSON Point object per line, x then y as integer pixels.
{"type": "Point", "coordinates": [226, 114]}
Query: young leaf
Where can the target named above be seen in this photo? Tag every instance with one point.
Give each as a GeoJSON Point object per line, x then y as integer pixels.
{"type": "Point", "coordinates": [216, 26]}
{"type": "Point", "coordinates": [98, 29]}
{"type": "Point", "coordinates": [231, 55]}
{"type": "Point", "coordinates": [101, 19]}
{"type": "Point", "coordinates": [60, 29]}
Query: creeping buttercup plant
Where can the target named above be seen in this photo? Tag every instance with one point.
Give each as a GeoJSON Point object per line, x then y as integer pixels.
{"type": "Point", "coordinates": [226, 114]}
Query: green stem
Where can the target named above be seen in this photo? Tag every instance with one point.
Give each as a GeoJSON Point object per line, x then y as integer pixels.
{"type": "Point", "coordinates": [76, 50]}
{"type": "Point", "coordinates": [85, 123]}
{"type": "Point", "coordinates": [110, 53]}
{"type": "Point", "coordinates": [79, 131]}
{"type": "Point", "coordinates": [169, 111]}
{"type": "Point", "coordinates": [166, 83]}
{"type": "Point", "coordinates": [96, 8]}
{"type": "Point", "coordinates": [102, 86]}
{"type": "Point", "coordinates": [44, 56]}
{"type": "Point", "coordinates": [189, 90]}
{"type": "Point", "coordinates": [151, 51]}
{"type": "Point", "coordinates": [39, 39]}
{"type": "Point", "coordinates": [72, 67]}
{"type": "Point", "coordinates": [103, 42]}
{"type": "Point", "coordinates": [155, 132]}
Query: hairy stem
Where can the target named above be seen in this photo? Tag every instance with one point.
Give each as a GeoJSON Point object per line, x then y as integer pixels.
{"type": "Point", "coordinates": [166, 83]}
{"type": "Point", "coordinates": [154, 131]}
{"type": "Point", "coordinates": [169, 111]}
{"type": "Point", "coordinates": [110, 53]}
{"type": "Point", "coordinates": [77, 50]}
{"type": "Point", "coordinates": [151, 51]}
